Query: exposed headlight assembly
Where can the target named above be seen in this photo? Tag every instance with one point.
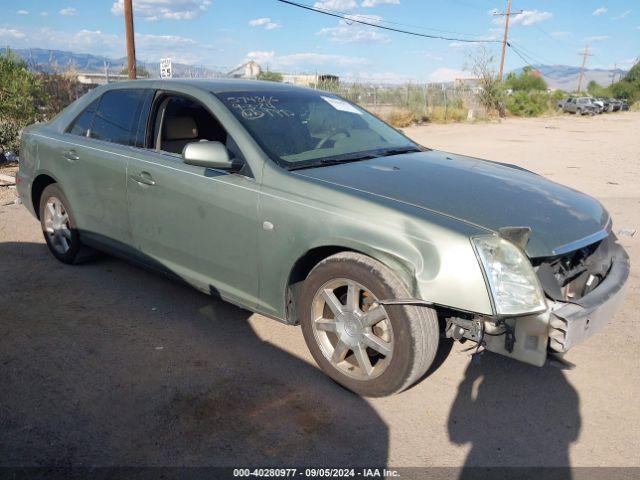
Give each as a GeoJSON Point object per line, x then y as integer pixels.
{"type": "Point", "coordinates": [513, 283]}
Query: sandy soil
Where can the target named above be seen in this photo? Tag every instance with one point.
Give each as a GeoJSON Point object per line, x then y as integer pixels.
{"type": "Point", "coordinates": [107, 364]}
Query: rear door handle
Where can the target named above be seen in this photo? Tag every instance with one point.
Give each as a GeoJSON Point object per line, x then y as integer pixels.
{"type": "Point", "coordinates": [71, 155]}
{"type": "Point", "coordinates": [144, 178]}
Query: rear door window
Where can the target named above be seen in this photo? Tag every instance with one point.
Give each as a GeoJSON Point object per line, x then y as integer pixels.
{"type": "Point", "coordinates": [118, 115]}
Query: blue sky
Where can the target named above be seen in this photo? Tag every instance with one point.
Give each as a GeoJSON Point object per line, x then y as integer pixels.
{"type": "Point", "coordinates": [224, 33]}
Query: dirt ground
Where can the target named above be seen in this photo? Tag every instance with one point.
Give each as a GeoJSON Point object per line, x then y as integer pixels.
{"type": "Point", "coordinates": [7, 192]}
{"type": "Point", "coordinates": [107, 364]}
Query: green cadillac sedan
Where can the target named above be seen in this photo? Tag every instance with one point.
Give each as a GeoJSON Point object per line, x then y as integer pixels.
{"type": "Point", "coordinates": [301, 206]}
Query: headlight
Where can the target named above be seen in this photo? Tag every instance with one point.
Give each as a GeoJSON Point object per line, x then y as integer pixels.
{"type": "Point", "coordinates": [514, 285]}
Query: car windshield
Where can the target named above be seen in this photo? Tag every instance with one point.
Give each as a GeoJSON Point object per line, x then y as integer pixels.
{"type": "Point", "coordinates": [302, 129]}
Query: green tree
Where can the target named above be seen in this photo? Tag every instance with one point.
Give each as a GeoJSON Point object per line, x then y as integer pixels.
{"type": "Point", "coordinates": [527, 81]}
{"type": "Point", "coordinates": [270, 76]}
{"type": "Point", "coordinates": [21, 94]}
{"type": "Point", "coordinates": [597, 90]}
{"type": "Point", "coordinates": [141, 71]}
{"type": "Point", "coordinates": [629, 86]}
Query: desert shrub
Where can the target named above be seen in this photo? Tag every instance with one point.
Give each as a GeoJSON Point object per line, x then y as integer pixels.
{"type": "Point", "coordinates": [400, 118]}
{"type": "Point", "coordinates": [28, 97]}
{"type": "Point", "coordinates": [452, 114]}
{"type": "Point", "coordinates": [492, 91]}
{"type": "Point", "coordinates": [528, 104]}
{"type": "Point", "coordinates": [20, 96]}
{"type": "Point", "coordinates": [527, 81]}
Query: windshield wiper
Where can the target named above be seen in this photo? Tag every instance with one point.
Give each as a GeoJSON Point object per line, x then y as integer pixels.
{"type": "Point", "coordinates": [356, 157]}
{"type": "Point", "coordinates": [325, 162]}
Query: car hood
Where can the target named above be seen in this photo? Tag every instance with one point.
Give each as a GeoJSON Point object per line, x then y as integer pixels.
{"type": "Point", "coordinates": [487, 194]}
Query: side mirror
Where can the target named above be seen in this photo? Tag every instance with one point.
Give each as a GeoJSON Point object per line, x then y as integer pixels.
{"type": "Point", "coordinates": [208, 155]}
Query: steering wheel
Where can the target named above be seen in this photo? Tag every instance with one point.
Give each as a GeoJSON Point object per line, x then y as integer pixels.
{"type": "Point", "coordinates": [332, 134]}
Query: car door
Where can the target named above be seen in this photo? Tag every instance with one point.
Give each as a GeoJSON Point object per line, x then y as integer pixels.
{"type": "Point", "coordinates": [198, 224]}
{"type": "Point", "coordinates": [570, 106]}
{"type": "Point", "coordinates": [95, 152]}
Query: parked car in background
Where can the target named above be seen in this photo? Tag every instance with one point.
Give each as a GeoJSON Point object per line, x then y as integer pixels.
{"type": "Point", "coordinates": [580, 105]}
{"type": "Point", "coordinates": [624, 105]}
{"type": "Point", "coordinates": [599, 105]}
{"type": "Point", "coordinates": [301, 206]}
{"type": "Point", "coordinates": [615, 105]}
{"type": "Point", "coordinates": [605, 103]}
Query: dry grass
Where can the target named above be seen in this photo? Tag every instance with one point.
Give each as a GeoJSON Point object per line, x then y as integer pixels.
{"type": "Point", "coordinates": [400, 118]}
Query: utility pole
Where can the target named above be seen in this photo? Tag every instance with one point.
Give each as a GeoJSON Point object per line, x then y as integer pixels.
{"type": "Point", "coordinates": [131, 43]}
{"type": "Point", "coordinates": [507, 16]}
{"type": "Point", "coordinates": [613, 74]}
{"type": "Point", "coordinates": [585, 55]}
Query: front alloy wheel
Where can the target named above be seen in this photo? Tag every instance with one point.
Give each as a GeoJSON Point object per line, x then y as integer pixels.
{"type": "Point", "coordinates": [371, 349]}
{"type": "Point", "coordinates": [353, 332]}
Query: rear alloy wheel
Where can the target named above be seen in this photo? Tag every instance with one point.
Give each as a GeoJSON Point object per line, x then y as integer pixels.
{"type": "Point", "coordinates": [59, 227]}
{"type": "Point", "coordinates": [56, 225]}
{"type": "Point", "coordinates": [371, 349]}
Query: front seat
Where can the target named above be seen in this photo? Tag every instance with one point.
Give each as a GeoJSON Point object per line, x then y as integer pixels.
{"type": "Point", "coordinates": [177, 133]}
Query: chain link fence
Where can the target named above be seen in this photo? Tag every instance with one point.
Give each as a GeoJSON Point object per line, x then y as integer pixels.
{"type": "Point", "coordinates": [410, 103]}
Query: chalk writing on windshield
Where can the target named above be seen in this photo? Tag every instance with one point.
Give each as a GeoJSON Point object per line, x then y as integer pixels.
{"type": "Point", "coordinates": [253, 107]}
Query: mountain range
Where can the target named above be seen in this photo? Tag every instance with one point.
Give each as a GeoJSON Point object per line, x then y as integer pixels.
{"type": "Point", "coordinates": [51, 61]}
{"type": "Point", "coordinates": [563, 77]}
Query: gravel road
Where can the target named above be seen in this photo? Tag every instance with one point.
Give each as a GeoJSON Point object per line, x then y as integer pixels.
{"type": "Point", "coordinates": [107, 364]}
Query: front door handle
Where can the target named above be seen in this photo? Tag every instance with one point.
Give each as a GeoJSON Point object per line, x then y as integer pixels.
{"type": "Point", "coordinates": [144, 178]}
{"type": "Point", "coordinates": [71, 155]}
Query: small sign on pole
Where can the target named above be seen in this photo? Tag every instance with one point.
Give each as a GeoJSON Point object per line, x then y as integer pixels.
{"type": "Point", "coordinates": [165, 68]}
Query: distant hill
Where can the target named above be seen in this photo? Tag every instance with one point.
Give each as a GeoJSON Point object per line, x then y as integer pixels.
{"type": "Point", "coordinates": [58, 60]}
{"type": "Point", "coordinates": [565, 77]}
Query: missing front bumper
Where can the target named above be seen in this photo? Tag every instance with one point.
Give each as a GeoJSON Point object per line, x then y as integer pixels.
{"type": "Point", "coordinates": [558, 328]}
{"type": "Point", "coordinates": [572, 323]}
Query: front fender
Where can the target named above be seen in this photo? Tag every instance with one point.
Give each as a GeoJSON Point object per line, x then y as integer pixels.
{"type": "Point", "coordinates": [432, 254]}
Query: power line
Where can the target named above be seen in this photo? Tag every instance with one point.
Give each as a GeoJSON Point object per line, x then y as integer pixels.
{"type": "Point", "coordinates": [534, 56]}
{"type": "Point", "coordinates": [390, 22]}
{"type": "Point", "coordinates": [355, 19]}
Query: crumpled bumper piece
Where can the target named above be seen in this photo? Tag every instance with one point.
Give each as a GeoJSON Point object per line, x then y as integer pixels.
{"type": "Point", "coordinates": [572, 323]}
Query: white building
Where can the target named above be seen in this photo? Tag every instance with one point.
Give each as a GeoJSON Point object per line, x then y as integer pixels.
{"type": "Point", "coordinates": [249, 70]}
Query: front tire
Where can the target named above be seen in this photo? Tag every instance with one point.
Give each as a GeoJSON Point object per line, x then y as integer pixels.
{"type": "Point", "coordinates": [59, 227]}
{"type": "Point", "coordinates": [371, 349]}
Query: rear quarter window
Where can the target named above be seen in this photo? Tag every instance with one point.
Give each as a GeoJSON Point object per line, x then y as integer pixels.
{"type": "Point", "coordinates": [81, 125]}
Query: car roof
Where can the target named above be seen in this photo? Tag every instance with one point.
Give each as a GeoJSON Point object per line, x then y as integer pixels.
{"type": "Point", "coordinates": [221, 85]}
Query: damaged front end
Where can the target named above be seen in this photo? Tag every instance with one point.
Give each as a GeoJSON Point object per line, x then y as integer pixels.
{"type": "Point", "coordinates": [583, 290]}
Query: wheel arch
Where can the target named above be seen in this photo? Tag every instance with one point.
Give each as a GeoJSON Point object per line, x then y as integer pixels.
{"type": "Point", "coordinates": [40, 182]}
{"type": "Point", "coordinates": [315, 254]}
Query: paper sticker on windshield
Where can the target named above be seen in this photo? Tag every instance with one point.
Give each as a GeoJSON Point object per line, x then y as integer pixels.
{"type": "Point", "coordinates": [341, 105]}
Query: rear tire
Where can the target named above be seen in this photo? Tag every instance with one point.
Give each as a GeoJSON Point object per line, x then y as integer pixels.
{"type": "Point", "coordinates": [370, 349]}
{"type": "Point", "coordinates": [59, 227]}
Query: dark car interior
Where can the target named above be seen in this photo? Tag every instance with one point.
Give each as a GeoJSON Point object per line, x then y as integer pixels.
{"type": "Point", "coordinates": [180, 120]}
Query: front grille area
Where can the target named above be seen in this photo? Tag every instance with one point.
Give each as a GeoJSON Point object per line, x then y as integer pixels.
{"type": "Point", "coordinates": [571, 276]}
